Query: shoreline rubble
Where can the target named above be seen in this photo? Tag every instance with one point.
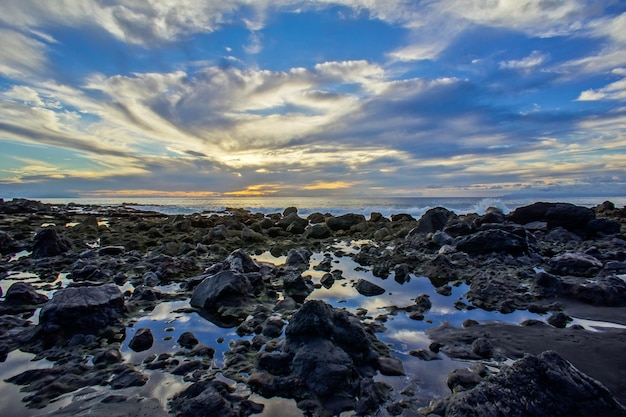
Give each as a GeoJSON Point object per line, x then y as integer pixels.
{"type": "Point", "coordinates": [93, 272]}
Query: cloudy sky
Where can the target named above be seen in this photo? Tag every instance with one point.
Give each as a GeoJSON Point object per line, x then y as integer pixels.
{"type": "Point", "coordinates": [104, 98]}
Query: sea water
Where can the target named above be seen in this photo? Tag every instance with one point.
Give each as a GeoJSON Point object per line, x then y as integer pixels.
{"type": "Point", "coordinates": [415, 206]}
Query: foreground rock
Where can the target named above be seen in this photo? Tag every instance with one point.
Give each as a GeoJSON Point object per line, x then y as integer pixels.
{"type": "Point", "coordinates": [327, 362]}
{"type": "Point", "coordinates": [83, 309]}
{"type": "Point", "coordinates": [535, 386]}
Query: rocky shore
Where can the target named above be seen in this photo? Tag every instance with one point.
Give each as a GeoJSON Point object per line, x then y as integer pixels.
{"type": "Point", "coordinates": [257, 312]}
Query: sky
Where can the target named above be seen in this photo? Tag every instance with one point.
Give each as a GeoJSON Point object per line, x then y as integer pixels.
{"type": "Point", "coordinates": [176, 98]}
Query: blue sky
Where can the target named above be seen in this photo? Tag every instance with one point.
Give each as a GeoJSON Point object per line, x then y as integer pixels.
{"type": "Point", "coordinates": [105, 98]}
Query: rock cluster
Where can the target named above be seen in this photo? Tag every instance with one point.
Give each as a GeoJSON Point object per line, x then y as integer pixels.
{"type": "Point", "coordinates": [86, 275]}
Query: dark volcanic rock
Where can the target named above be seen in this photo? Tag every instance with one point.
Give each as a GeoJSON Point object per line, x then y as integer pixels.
{"type": "Point", "coordinates": [224, 288]}
{"type": "Point", "coordinates": [23, 294]}
{"type": "Point", "coordinates": [434, 219]}
{"type": "Point", "coordinates": [142, 340]}
{"type": "Point", "coordinates": [212, 398]}
{"type": "Point", "coordinates": [85, 309]}
{"type": "Point", "coordinates": [344, 222]}
{"type": "Point", "coordinates": [535, 386]}
{"type": "Point", "coordinates": [48, 243]}
{"type": "Point", "coordinates": [368, 289]}
{"type": "Point", "coordinates": [240, 261]}
{"type": "Point", "coordinates": [574, 263]}
{"type": "Point", "coordinates": [7, 244]}
{"type": "Point", "coordinates": [328, 358]}
{"type": "Point", "coordinates": [568, 216]}
{"type": "Point", "coordinates": [493, 240]}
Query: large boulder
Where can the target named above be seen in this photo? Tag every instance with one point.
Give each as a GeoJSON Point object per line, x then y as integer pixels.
{"type": "Point", "coordinates": [48, 243]}
{"type": "Point", "coordinates": [325, 359]}
{"type": "Point", "coordinates": [344, 222]}
{"type": "Point", "coordinates": [23, 294]}
{"type": "Point", "coordinates": [535, 386]}
{"type": "Point", "coordinates": [83, 309]}
{"type": "Point", "coordinates": [492, 240]}
{"type": "Point", "coordinates": [574, 263]}
{"type": "Point", "coordinates": [434, 219]}
{"type": "Point", "coordinates": [566, 215]}
{"type": "Point", "coordinates": [226, 288]}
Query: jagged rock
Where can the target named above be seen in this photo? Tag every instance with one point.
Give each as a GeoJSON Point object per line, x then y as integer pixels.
{"type": "Point", "coordinates": [128, 378]}
{"type": "Point", "coordinates": [224, 289]}
{"type": "Point", "coordinates": [298, 258]}
{"type": "Point", "coordinates": [433, 220]}
{"type": "Point", "coordinates": [574, 263]}
{"type": "Point", "coordinates": [48, 243]}
{"type": "Point", "coordinates": [23, 294]}
{"type": "Point", "coordinates": [212, 398]}
{"type": "Point", "coordinates": [240, 261]}
{"type": "Point", "coordinates": [494, 240]}
{"type": "Point", "coordinates": [535, 386]}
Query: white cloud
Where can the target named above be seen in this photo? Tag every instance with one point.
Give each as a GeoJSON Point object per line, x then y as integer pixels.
{"type": "Point", "coordinates": [20, 55]}
{"type": "Point", "coordinates": [535, 59]}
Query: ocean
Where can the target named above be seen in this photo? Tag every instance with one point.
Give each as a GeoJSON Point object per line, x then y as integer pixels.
{"type": "Point", "coordinates": [415, 206]}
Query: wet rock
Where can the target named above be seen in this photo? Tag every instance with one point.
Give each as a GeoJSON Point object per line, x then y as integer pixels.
{"type": "Point", "coordinates": [368, 289]}
{"type": "Point", "coordinates": [7, 244]}
{"type": "Point", "coordinates": [296, 286]}
{"type": "Point", "coordinates": [84, 309]}
{"type": "Point", "coordinates": [142, 340]}
{"type": "Point", "coordinates": [23, 294]}
{"type": "Point", "coordinates": [344, 222]}
{"type": "Point", "coordinates": [318, 231]}
{"type": "Point", "coordinates": [240, 261]}
{"type": "Point", "coordinates": [559, 320]}
{"type": "Point", "coordinates": [327, 280]}
{"type": "Point", "coordinates": [574, 263]}
{"type": "Point", "coordinates": [494, 240]}
{"type": "Point", "coordinates": [293, 220]}
{"type": "Point", "coordinates": [111, 250]}
{"type": "Point", "coordinates": [390, 366]}
{"type": "Point", "coordinates": [425, 355]}
{"type": "Point", "coordinates": [603, 291]}
{"type": "Point", "coordinates": [212, 398]}
{"type": "Point", "coordinates": [602, 227]}
{"type": "Point", "coordinates": [48, 243]}
{"type": "Point", "coordinates": [535, 386]}
{"type": "Point", "coordinates": [462, 379]}
{"type": "Point", "coordinates": [298, 258]}
{"type": "Point", "coordinates": [325, 357]}
{"type": "Point", "coordinates": [433, 220]}
{"type": "Point", "coordinates": [273, 327]}
{"type": "Point", "coordinates": [187, 340]}
{"type": "Point", "coordinates": [226, 288]}
{"type": "Point", "coordinates": [151, 279]}
{"type": "Point", "coordinates": [128, 378]}
{"type": "Point", "coordinates": [568, 216]}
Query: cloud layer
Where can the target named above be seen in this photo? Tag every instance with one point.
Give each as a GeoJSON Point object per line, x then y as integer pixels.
{"type": "Point", "coordinates": [206, 98]}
